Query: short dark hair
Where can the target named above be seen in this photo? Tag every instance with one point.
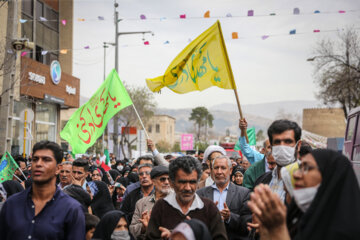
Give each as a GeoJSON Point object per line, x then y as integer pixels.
{"type": "Point", "coordinates": [19, 159]}
{"type": "Point", "coordinates": [79, 162]}
{"type": "Point", "coordinates": [53, 146]}
{"type": "Point", "coordinates": [145, 157]}
{"type": "Point", "coordinates": [282, 125]}
{"type": "Point", "coordinates": [305, 148]}
{"type": "Point", "coordinates": [200, 152]}
{"type": "Point", "coordinates": [90, 221]}
{"type": "Point", "coordinates": [186, 163]}
{"type": "Point", "coordinates": [204, 166]}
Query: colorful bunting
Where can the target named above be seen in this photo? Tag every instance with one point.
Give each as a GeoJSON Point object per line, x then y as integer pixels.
{"type": "Point", "coordinates": [292, 31]}
{"type": "Point", "coordinates": [63, 51]}
{"type": "Point", "coordinates": [101, 18]}
{"type": "Point", "coordinates": [317, 11]}
{"type": "Point", "coordinates": [63, 22]}
{"type": "Point", "coordinates": [10, 51]}
{"type": "Point", "coordinates": [183, 16]}
{"type": "Point", "coordinates": [162, 18]}
{"type": "Point", "coordinates": [207, 14]}
{"type": "Point", "coordinates": [87, 47]}
{"type": "Point", "coordinates": [264, 37]}
{"type": "Point", "coordinates": [250, 13]}
{"type": "Point", "coordinates": [342, 11]}
{"type": "Point", "coordinates": [296, 11]}
{"type": "Point", "coordinates": [272, 14]}
{"type": "Point", "coordinates": [23, 54]}
{"type": "Point", "coordinates": [42, 19]}
{"type": "Point", "coordinates": [44, 52]}
{"type": "Point", "coordinates": [81, 19]}
{"type": "Point", "coordinates": [316, 30]}
{"type": "Point", "coordinates": [228, 15]}
{"type": "Point", "coordinates": [234, 35]}
{"type": "Point", "coordinates": [146, 43]}
{"type": "Point", "coordinates": [167, 42]}
{"type": "Point", "coordinates": [23, 20]}
{"type": "Point", "coordinates": [142, 17]}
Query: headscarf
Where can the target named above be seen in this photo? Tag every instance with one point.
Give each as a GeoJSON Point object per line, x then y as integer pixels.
{"type": "Point", "coordinates": [107, 224]}
{"type": "Point", "coordinates": [287, 175]}
{"type": "Point", "coordinates": [101, 202]}
{"type": "Point", "coordinates": [335, 210]}
{"type": "Point", "coordinates": [11, 187]}
{"type": "Point", "coordinates": [114, 173]}
{"type": "Point", "coordinates": [236, 169]}
{"type": "Point", "coordinates": [193, 229]}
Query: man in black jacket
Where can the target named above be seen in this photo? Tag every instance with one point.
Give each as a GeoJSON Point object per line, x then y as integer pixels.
{"type": "Point", "coordinates": [146, 188]}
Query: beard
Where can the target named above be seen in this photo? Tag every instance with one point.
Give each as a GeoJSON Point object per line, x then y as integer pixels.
{"type": "Point", "coordinates": [222, 182]}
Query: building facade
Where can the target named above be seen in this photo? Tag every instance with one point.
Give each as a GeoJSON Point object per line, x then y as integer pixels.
{"type": "Point", "coordinates": [45, 84]}
{"type": "Point", "coordinates": [327, 122]}
{"type": "Point", "coordinates": [162, 128]}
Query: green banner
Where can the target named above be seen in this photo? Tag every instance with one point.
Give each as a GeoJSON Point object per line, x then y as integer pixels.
{"type": "Point", "coordinates": [7, 167]}
{"type": "Point", "coordinates": [88, 123]}
{"type": "Point", "coordinates": [106, 153]}
{"type": "Point", "coordinates": [252, 138]}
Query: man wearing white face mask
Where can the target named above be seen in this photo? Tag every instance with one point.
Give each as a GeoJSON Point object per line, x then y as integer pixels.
{"type": "Point", "coordinates": [284, 136]}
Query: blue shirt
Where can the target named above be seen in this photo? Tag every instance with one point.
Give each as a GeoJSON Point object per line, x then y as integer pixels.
{"type": "Point", "coordinates": [220, 197]}
{"type": "Point", "coordinates": [250, 154]}
{"type": "Point", "coordinates": [61, 218]}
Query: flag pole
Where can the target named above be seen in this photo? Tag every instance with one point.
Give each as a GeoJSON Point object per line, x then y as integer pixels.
{"type": "Point", "coordinates": [137, 114]}
{"type": "Point", "coordinates": [17, 178]}
{"type": "Point", "coordinates": [22, 173]}
{"type": "Point", "coordinates": [232, 76]}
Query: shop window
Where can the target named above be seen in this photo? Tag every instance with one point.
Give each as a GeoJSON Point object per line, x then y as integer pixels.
{"type": "Point", "coordinates": [46, 115]}
{"type": "Point", "coordinates": [38, 55]}
{"type": "Point", "coordinates": [27, 7]}
{"type": "Point", "coordinates": [52, 17]}
{"type": "Point", "coordinates": [39, 10]}
{"type": "Point", "coordinates": [157, 128]}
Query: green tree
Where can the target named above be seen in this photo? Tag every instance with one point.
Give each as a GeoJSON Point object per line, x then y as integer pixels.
{"type": "Point", "coordinates": [201, 117]}
{"type": "Point", "coordinates": [337, 70]}
{"type": "Point", "coordinates": [260, 136]}
{"type": "Point", "coordinates": [163, 146]}
{"type": "Point", "coordinates": [176, 147]}
{"type": "Point", "coordinates": [145, 104]}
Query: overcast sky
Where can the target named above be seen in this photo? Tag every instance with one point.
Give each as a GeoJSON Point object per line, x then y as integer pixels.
{"type": "Point", "coordinates": [268, 70]}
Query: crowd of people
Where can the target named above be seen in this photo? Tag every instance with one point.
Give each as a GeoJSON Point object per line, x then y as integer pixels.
{"type": "Point", "coordinates": [287, 190]}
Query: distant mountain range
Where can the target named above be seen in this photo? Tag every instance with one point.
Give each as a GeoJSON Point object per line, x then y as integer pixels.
{"type": "Point", "coordinates": [226, 116]}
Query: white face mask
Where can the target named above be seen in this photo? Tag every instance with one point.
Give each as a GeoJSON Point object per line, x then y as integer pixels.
{"type": "Point", "coordinates": [120, 167]}
{"type": "Point", "coordinates": [120, 235]}
{"type": "Point", "coordinates": [283, 155]}
{"type": "Point", "coordinates": [304, 197]}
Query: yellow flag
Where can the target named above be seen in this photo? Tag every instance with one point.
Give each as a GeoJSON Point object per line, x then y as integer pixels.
{"type": "Point", "coordinates": [202, 64]}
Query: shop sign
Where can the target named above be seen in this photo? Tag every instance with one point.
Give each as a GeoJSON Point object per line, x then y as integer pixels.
{"type": "Point", "coordinates": [55, 72]}
{"type": "Point", "coordinates": [36, 78]}
{"type": "Point", "coordinates": [70, 90]}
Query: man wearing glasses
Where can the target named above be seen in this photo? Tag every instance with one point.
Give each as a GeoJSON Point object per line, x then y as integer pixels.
{"type": "Point", "coordinates": [160, 177]}
{"type": "Point", "coordinates": [184, 203]}
{"type": "Point", "coordinates": [146, 188]}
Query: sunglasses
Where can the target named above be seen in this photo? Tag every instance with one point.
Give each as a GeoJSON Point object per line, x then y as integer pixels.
{"type": "Point", "coordinates": [163, 179]}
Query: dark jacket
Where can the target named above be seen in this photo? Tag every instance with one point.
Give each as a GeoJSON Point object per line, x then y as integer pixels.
{"type": "Point", "coordinates": [253, 173]}
{"type": "Point", "coordinates": [240, 214]}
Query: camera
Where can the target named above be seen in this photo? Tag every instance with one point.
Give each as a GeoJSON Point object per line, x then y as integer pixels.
{"type": "Point", "coordinates": [21, 44]}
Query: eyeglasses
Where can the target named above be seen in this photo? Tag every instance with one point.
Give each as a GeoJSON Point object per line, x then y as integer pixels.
{"type": "Point", "coordinates": [305, 168]}
{"type": "Point", "coordinates": [96, 175]}
{"type": "Point", "coordinates": [163, 179]}
{"type": "Point", "coordinates": [144, 173]}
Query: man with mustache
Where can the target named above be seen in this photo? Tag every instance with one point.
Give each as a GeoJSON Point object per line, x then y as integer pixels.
{"type": "Point", "coordinates": [146, 188]}
{"type": "Point", "coordinates": [42, 211]}
{"type": "Point", "coordinates": [184, 203]}
{"type": "Point", "coordinates": [65, 174]}
{"type": "Point", "coordinates": [231, 200]}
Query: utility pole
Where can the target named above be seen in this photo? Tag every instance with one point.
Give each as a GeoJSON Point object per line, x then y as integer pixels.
{"type": "Point", "coordinates": [7, 98]}
{"type": "Point", "coordinates": [117, 34]}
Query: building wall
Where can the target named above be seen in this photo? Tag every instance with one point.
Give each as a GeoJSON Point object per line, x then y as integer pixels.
{"type": "Point", "coordinates": [66, 11]}
{"type": "Point", "coordinates": [327, 122]}
{"type": "Point", "coordinates": [165, 126]}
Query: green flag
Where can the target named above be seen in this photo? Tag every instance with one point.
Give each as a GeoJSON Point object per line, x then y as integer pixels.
{"type": "Point", "coordinates": [7, 167]}
{"type": "Point", "coordinates": [106, 153]}
{"type": "Point", "coordinates": [87, 124]}
{"type": "Point", "coordinates": [252, 138]}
